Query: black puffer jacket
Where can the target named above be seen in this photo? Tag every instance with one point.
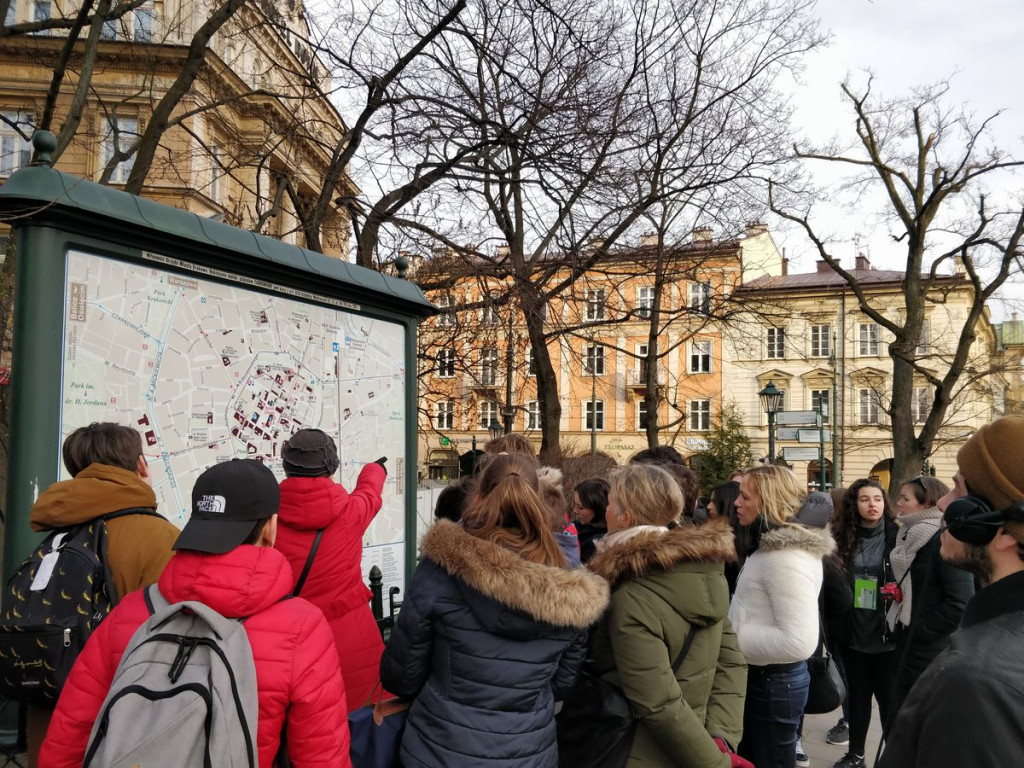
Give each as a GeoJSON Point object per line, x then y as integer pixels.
{"type": "Point", "coordinates": [486, 642]}
{"type": "Point", "coordinates": [965, 710]}
{"type": "Point", "coordinates": [940, 593]}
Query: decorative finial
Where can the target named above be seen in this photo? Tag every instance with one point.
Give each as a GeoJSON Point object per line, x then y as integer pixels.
{"type": "Point", "coordinates": [401, 266]}
{"type": "Point", "coordinates": [45, 144]}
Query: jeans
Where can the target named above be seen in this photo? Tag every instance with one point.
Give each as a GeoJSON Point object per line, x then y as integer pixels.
{"type": "Point", "coordinates": [776, 696]}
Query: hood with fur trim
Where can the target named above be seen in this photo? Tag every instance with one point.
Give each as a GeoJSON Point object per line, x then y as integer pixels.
{"type": "Point", "coordinates": [657, 551]}
{"type": "Point", "coordinates": [557, 596]}
{"type": "Point", "coordinates": [815, 541]}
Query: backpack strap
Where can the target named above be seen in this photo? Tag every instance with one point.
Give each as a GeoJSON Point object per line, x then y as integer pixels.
{"type": "Point", "coordinates": [309, 562]}
{"type": "Point", "coordinates": [686, 648]}
{"type": "Point", "coordinates": [132, 511]}
{"type": "Point", "coordinates": [155, 600]}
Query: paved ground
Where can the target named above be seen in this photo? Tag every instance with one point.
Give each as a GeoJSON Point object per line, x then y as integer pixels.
{"type": "Point", "coordinates": [823, 755]}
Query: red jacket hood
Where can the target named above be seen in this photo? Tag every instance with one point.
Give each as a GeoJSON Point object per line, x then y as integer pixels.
{"type": "Point", "coordinates": [311, 503]}
{"type": "Point", "coordinates": [238, 583]}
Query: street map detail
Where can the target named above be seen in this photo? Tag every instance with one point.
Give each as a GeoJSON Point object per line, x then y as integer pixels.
{"type": "Point", "coordinates": [207, 372]}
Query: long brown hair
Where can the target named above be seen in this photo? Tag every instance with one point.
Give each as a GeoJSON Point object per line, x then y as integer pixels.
{"type": "Point", "coordinates": [846, 520]}
{"type": "Point", "coordinates": [508, 511]}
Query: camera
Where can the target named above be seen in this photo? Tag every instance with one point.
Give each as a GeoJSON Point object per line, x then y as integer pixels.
{"type": "Point", "coordinates": [891, 591]}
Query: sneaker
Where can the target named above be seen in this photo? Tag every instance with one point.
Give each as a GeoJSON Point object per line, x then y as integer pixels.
{"type": "Point", "coordinates": [840, 734]}
{"type": "Point", "coordinates": [850, 760]}
{"type": "Point", "coordinates": [802, 760]}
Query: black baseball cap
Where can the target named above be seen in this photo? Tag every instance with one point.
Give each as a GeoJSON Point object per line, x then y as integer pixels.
{"type": "Point", "coordinates": [228, 500]}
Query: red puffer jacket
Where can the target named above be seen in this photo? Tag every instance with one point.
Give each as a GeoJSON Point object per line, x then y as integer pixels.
{"type": "Point", "coordinates": [335, 582]}
{"type": "Point", "coordinates": [296, 665]}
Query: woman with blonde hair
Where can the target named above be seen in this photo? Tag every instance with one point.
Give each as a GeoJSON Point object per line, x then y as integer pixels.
{"type": "Point", "coordinates": [775, 612]}
{"type": "Point", "coordinates": [491, 632]}
{"type": "Point", "coordinates": [666, 640]}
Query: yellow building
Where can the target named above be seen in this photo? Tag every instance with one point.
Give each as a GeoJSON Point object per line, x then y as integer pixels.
{"type": "Point", "coordinates": [1011, 345]}
{"type": "Point", "coordinates": [249, 142]}
{"type": "Point", "coordinates": [477, 372]}
{"type": "Point", "coordinates": [806, 334]}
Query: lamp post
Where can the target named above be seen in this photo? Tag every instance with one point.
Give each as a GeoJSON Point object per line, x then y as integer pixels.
{"type": "Point", "coordinates": [494, 429]}
{"type": "Point", "coordinates": [771, 400]}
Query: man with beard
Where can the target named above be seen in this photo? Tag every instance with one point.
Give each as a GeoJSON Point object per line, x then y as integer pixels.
{"type": "Point", "coordinates": [967, 709]}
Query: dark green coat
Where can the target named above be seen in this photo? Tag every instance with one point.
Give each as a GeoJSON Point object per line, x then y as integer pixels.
{"type": "Point", "coordinates": [664, 583]}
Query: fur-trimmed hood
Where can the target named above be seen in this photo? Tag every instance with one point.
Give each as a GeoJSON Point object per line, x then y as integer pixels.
{"type": "Point", "coordinates": [566, 598]}
{"type": "Point", "coordinates": [815, 541]}
{"type": "Point", "coordinates": [657, 551]}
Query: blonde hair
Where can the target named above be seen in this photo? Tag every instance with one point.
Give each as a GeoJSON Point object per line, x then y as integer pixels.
{"type": "Point", "coordinates": [779, 492]}
{"type": "Point", "coordinates": [508, 511]}
{"type": "Point", "coordinates": [648, 492]}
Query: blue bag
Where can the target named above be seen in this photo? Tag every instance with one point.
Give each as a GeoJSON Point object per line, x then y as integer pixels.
{"type": "Point", "coordinates": [376, 732]}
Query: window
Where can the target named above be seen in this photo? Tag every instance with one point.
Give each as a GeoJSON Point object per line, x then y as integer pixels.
{"type": "Point", "coordinates": [869, 410]}
{"type": "Point", "coordinates": [644, 301]}
{"type": "Point", "coordinates": [444, 414]}
{"type": "Point", "coordinates": [595, 304]}
{"type": "Point", "coordinates": [216, 171]}
{"type": "Point", "coordinates": [489, 367]}
{"type": "Point", "coordinates": [15, 149]}
{"type": "Point", "coordinates": [446, 363]}
{"type": "Point", "coordinates": [821, 340]}
{"type": "Point", "coordinates": [488, 414]}
{"type": "Point", "coordinates": [820, 397]}
{"type": "Point", "coordinates": [593, 360]}
{"type": "Point", "coordinates": [700, 297]}
{"type": "Point", "coordinates": [700, 415]}
{"type": "Point", "coordinates": [447, 318]}
{"type": "Point", "coordinates": [921, 404]}
{"type": "Point", "coordinates": [41, 11]}
{"type": "Point", "coordinates": [144, 23]}
{"type": "Point", "coordinates": [12, 13]}
{"type": "Point", "coordinates": [641, 416]}
{"type": "Point", "coordinates": [120, 134]}
{"type": "Point", "coordinates": [593, 415]}
{"type": "Point", "coordinates": [533, 414]}
{"type": "Point", "coordinates": [868, 339]}
{"type": "Point", "coordinates": [109, 29]}
{"type": "Point", "coordinates": [700, 357]}
{"type": "Point", "coordinates": [777, 343]}
{"type": "Point", "coordinates": [924, 343]}
{"type": "Point", "coordinates": [641, 352]}
{"type": "Point", "coordinates": [531, 364]}
{"type": "Point", "coordinates": [489, 314]}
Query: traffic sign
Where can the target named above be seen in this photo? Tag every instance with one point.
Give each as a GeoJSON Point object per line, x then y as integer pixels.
{"type": "Point", "coordinates": [796, 417]}
{"type": "Point", "coordinates": [794, 453]}
{"type": "Point", "coordinates": [812, 436]}
{"type": "Point", "coordinates": [445, 441]}
{"type": "Point", "coordinates": [787, 433]}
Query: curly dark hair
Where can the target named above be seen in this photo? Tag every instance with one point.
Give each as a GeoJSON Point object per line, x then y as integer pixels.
{"type": "Point", "coordinates": [846, 523]}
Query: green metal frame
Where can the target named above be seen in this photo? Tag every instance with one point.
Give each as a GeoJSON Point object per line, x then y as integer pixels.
{"type": "Point", "coordinates": [54, 212]}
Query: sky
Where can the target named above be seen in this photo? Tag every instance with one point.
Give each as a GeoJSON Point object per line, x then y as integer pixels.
{"type": "Point", "coordinates": [906, 43]}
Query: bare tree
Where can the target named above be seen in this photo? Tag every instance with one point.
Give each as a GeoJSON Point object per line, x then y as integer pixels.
{"type": "Point", "coordinates": [931, 165]}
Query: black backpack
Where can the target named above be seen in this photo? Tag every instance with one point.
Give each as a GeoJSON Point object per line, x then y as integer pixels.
{"type": "Point", "coordinates": [53, 602]}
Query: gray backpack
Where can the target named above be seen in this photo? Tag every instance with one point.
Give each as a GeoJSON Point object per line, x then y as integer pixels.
{"type": "Point", "coordinates": [184, 694]}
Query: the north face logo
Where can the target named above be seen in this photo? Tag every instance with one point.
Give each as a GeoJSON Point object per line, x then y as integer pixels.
{"type": "Point", "coordinates": [211, 503]}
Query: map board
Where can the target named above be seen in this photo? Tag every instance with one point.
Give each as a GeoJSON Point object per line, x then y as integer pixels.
{"type": "Point", "coordinates": [208, 371]}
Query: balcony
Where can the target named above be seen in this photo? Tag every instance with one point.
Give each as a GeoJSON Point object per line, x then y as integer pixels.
{"type": "Point", "coordinates": [637, 379]}
{"type": "Point", "coordinates": [479, 383]}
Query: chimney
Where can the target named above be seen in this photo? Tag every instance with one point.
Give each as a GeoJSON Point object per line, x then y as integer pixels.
{"type": "Point", "coordinates": [862, 262]}
{"type": "Point", "coordinates": [755, 228]}
{"type": "Point", "coordinates": [823, 266]}
{"type": "Point", "coordinates": [703, 234]}
{"type": "Point", "coordinates": [785, 266]}
{"type": "Point", "coordinates": [501, 251]}
{"type": "Point", "coordinates": [649, 239]}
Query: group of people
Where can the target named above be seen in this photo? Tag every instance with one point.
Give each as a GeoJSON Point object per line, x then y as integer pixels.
{"type": "Point", "coordinates": [703, 617]}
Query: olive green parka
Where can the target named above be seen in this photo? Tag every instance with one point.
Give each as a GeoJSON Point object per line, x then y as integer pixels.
{"type": "Point", "coordinates": [665, 582]}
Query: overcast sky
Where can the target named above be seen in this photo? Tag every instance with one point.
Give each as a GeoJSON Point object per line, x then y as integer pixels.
{"type": "Point", "coordinates": [978, 44]}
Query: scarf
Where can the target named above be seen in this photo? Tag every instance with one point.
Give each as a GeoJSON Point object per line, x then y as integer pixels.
{"type": "Point", "coordinates": [918, 528]}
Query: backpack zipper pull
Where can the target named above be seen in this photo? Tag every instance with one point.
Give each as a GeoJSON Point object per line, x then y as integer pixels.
{"type": "Point", "coordinates": [185, 647]}
{"type": "Point", "coordinates": [67, 638]}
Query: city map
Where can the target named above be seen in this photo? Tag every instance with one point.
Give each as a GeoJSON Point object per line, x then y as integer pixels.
{"type": "Point", "coordinates": [208, 372]}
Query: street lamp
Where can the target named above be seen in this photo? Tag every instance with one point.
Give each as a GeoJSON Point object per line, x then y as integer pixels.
{"type": "Point", "coordinates": [494, 429]}
{"type": "Point", "coordinates": [771, 401]}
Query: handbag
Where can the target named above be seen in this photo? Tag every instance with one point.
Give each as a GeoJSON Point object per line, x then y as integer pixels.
{"type": "Point", "coordinates": [376, 731]}
{"type": "Point", "coordinates": [596, 724]}
{"type": "Point", "coordinates": [826, 691]}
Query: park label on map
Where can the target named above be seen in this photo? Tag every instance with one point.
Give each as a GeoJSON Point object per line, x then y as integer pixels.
{"type": "Point", "coordinates": [208, 371]}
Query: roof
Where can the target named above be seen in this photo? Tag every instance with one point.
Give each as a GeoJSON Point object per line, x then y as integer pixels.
{"type": "Point", "coordinates": [831, 279]}
{"type": "Point", "coordinates": [46, 196]}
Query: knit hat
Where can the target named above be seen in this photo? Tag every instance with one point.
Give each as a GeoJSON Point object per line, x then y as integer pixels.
{"type": "Point", "coordinates": [991, 462]}
{"type": "Point", "coordinates": [816, 510]}
{"type": "Point", "coordinates": [310, 453]}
